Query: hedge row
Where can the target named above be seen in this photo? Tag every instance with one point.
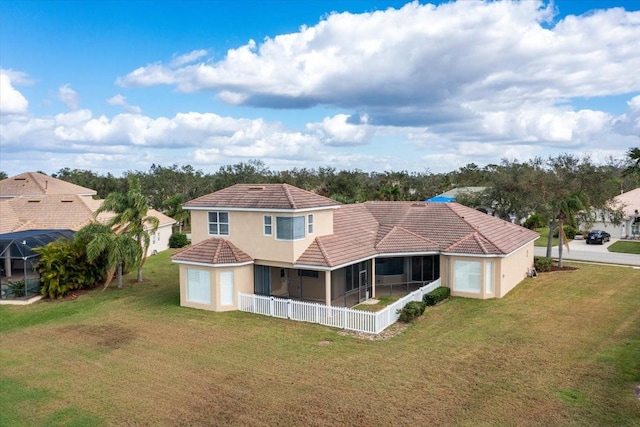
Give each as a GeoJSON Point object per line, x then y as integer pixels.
{"type": "Point", "coordinates": [414, 309]}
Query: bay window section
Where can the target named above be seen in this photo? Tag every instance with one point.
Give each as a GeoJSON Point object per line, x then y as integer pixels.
{"type": "Point", "coordinates": [290, 228]}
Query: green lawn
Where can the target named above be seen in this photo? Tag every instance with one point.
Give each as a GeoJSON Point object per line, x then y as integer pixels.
{"type": "Point", "coordinates": [544, 236]}
{"type": "Point", "coordinates": [562, 349]}
{"type": "Point", "coordinates": [626, 247]}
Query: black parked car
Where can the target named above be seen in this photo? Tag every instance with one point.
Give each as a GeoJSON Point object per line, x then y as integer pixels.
{"type": "Point", "coordinates": [598, 236]}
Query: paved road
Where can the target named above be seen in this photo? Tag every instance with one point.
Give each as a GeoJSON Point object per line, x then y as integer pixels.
{"type": "Point", "coordinates": [580, 251]}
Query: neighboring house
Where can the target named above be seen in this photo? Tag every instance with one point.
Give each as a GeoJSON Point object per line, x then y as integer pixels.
{"type": "Point", "coordinates": [279, 240]}
{"type": "Point", "coordinates": [34, 201]}
{"type": "Point", "coordinates": [629, 226]}
{"type": "Point", "coordinates": [450, 196]}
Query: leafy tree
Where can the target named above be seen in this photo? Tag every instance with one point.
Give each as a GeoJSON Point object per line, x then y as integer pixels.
{"type": "Point", "coordinates": [633, 158]}
{"type": "Point", "coordinates": [131, 218]}
{"type": "Point", "coordinates": [3, 175]}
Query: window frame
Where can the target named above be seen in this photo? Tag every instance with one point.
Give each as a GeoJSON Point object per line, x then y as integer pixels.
{"type": "Point", "coordinates": [265, 225]}
{"type": "Point", "coordinates": [310, 224]}
{"type": "Point", "coordinates": [218, 223]}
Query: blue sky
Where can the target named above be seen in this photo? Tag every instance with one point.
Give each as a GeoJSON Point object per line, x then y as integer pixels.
{"type": "Point", "coordinates": [375, 85]}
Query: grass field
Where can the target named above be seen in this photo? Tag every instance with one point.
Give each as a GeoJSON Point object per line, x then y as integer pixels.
{"type": "Point", "coordinates": [626, 247]}
{"type": "Point", "coordinates": [562, 349]}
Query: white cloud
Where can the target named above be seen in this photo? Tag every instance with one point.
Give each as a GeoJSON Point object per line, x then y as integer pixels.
{"type": "Point", "coordinates": [11, 100]}
{"type": "Point", "coordinates": [338, 131]}
{"type": "Point", "coordinates": [188, 58]}
{"type": "Point", "coordinates": [121, 100]}
{"type": "Point", "coordinates": [68, 97]}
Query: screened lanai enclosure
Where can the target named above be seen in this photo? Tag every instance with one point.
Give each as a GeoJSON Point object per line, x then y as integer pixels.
{"type": "Point", "coordinates": [350, 285]}
{"type": "Point", "coordinates": [19, 278]}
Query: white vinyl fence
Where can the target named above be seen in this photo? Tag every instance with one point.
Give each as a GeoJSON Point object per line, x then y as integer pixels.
{"type": "Point", "coordinates": [337, 317]}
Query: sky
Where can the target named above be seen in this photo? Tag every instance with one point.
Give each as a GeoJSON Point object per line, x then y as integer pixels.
{"type": "Point", "coordinates": [374, 85]}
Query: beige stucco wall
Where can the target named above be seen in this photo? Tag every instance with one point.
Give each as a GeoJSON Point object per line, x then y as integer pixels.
{"type": "Point", "coordinates": [508, 272]}
{"type": "Point", "coordinates": [160, 242]}
{"type": "Point", "coordinates": [242, 282]}
{"type": "Point", "coordinates": [247, 233]}
{"type": "Point", "coordinates": [514, 268]}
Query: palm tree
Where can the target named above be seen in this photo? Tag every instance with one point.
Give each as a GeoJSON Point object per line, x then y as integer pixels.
{"type": "Point", "coordinates": [567, 209]}
{"type": "Point", "coordinates": [633, 156]}
{"type": "Point", "coordinates": [173, 206]}
{"type": "Point", "coordinates": [118, 249]}
{"type": "Point", "coordinates": [131, 218]}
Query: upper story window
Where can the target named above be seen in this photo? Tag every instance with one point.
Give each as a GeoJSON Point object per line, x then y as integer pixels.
{"type": "Point", "coordinates": [310, 223]}
{"type": "Point", "coordinates": [289, 228]}
{"type": "Point", "coordinates": [268, 226]}
{"type": "Point", "coordinates": [219, 223]}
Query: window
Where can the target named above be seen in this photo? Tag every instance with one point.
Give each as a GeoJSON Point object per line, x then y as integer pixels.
{"type": "Point", "coordinates": [268, 229]}
{"type": "Point", "coordinates": [389, 266]}
{"type": "Point", "coordinates": [226, 288]}
{"type": "Point", "coordinates": [467, 277]}
{"type": "Point", "coordinates": [198, 286]}
{"type": "Point", "coordinates": [219, 223]}
{"type": "Point", "coordinates": [488, 276]}
{"type": "Point", "coordinates": [289, 228]}
{"type": "Point", "coordinates": [308, 273]}
{"type": "Point", "coordinates": [310, 223]}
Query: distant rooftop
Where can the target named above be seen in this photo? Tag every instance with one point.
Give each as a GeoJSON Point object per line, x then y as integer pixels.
{"type": "Point", "coordinates": [36, 184]}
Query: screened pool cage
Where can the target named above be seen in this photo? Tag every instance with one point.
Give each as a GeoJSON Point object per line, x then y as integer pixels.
{"type": "Point", "coordinates": [19, 278]}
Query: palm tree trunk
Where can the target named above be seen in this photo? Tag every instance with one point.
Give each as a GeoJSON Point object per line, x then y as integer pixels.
{"type": "Point", "coordinates": [552, 227]}
{"type": "Point", "coordinates": [560, 236]}
{"type": "Point", "coordinates": [107, 281]}
{"type": "Point", "coordinates": [120, 275]}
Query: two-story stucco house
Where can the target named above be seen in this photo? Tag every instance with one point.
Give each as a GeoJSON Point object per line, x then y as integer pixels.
{"type": "Point", "coordinates": [280, 240]}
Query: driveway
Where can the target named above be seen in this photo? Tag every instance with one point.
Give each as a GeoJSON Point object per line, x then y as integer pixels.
{"type": "Point", "coordinates": [580, 251]}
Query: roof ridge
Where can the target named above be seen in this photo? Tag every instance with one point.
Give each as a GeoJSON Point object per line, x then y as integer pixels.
{"type": "Point", "coordinates": [459, 241]}
{"type": "Point", "coordinates": [35, 181]}
{"type": "Point", "coordinates": [287, 192]}
{"type": "Point", "coordinates": [417, 235]}
{"type": "Point", "coordinates": [476, 236]}
{"type": "Point", "coordinates": [216, 254]}
{"type": "Point", "coordinates": [323, 251]}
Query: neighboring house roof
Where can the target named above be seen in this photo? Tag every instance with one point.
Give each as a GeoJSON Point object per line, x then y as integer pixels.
{"type": "Point", "coordinates": [630, 202]}
{"type": "Point", "coordinates": [56, 211]}
{"type": "Point", "coordinates": [36, 184]}
{"type": "Point", "coordinates": [376, 228]}
{"type": "Point", "coordinates": [262, 196]}
{"type": "Point", "coordinates": [450, 196]}
{"type": "Point", "coordinates": [214, 250]}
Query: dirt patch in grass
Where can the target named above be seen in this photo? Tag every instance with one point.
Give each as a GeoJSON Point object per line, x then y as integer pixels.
{"type": "Point", "coordinates": [104, 337]}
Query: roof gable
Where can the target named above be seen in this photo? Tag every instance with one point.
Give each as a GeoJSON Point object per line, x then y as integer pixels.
{"type": "Point", "coordinates": [262, 196]}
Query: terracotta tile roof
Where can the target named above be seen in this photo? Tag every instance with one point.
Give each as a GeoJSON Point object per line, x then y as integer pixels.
{"type": "Point", "coordinates": [37, 184]}
{"type": "Point", "coordinates": [262, 196]}
{"type": "Point", "coordinates": [214, 250]}
{"type": "Point", "coordinates": [396, 240]}
{"type": "Point", "coordinates": [378, 228]}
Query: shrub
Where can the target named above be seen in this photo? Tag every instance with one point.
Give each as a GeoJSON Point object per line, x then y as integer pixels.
{"type": "Point", "coordinates": [569, 231]}
{"type": "Point", "coordinates": [436, 295]}
{"type": "Point", "coordinates": [17, 289]}
{"type": "Point", "coordinates": [411, 311]}
{"type": "Point", "coordinates": [542, 264]}
{"type": "Point", "coordinates": [534, 221]}
{"type": "Point", "coordinates": [178, 240]}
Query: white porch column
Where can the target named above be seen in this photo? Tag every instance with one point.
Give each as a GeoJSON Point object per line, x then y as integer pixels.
{"type": "Point", "coordinates": [327, 287]}
{"type": "Point", "coordinates": [373, 278]}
